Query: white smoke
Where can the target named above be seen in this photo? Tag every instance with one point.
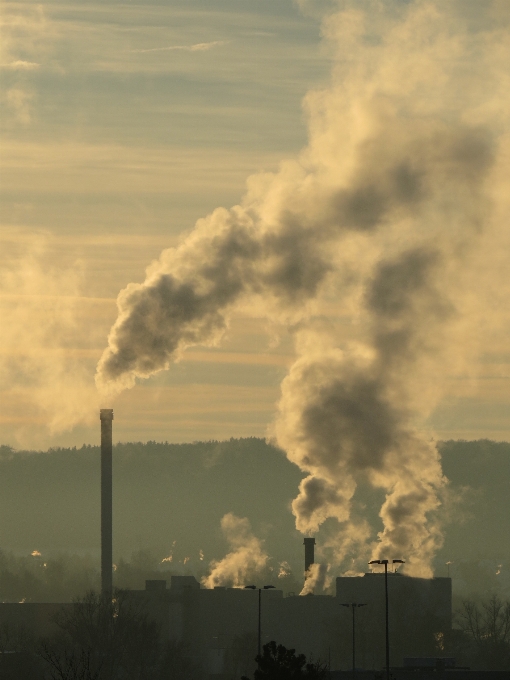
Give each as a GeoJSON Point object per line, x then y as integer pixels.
{"type": "Point", "coordinates": [381, 221]}
{"type": "Point", "coordinates": [316, 579]}
{"type": "Point", "coordinates": [47, 384]}
{"type": "Point", "coordinates": [246, 559]}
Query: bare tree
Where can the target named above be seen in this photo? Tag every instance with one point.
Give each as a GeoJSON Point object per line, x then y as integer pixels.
{"type": "Point", "coordinates": [69, 662]}
{"type": "Point", "coordinates": [487, 627]}
{"type": "Point", "coordinates": [103, 638]}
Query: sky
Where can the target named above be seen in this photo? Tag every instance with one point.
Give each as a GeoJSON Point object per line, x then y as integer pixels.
{"type": "Point", "coordinates": [124, 123]}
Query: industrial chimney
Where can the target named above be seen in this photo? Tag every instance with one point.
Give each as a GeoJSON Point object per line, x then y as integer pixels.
{"type": "Point", "coordinates": [309, 552]}
{"type": "Point", "coordinates": [106, 417]}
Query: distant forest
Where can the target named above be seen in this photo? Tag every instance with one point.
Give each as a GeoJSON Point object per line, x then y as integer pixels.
{"type": "Point", "coordinates": [169, 500]}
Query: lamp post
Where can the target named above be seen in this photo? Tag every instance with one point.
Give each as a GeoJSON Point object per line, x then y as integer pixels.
{"type": "Point", "coordinates": [259, 626]}
{"type": "Point", "coordinates": [353, 605]}
{"type": "Point", "coordinates": [385, 562]}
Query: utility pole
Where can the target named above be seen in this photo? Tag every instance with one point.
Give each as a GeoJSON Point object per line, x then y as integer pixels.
{"type": "Point", "coordinates": [353, 606]}
{"type": "Point", "coordinates": [385, 562]}
{"type": "Point", "coordinates": [259, 638]}
{"type": "Point", "coordinates": [259, 632]}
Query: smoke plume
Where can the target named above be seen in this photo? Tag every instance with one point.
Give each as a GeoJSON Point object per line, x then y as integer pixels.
{"type": "Point", "coordinates": [246, 559]}
{"type": "Point", "coordinates": [316, 579]}
{"type": "Point", "coordinates": [367, 247]}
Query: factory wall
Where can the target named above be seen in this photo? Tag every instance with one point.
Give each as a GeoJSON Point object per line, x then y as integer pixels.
{"type": "Point", "coordinates": [220, 626]}
{"type": "Point", "coordinates": [420, 616]}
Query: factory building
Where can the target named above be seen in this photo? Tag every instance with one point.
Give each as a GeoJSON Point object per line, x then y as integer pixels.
{"type": "Point", "coordinates": [220, 626]}
{"type": "Point", "coordinates": [420, 616]}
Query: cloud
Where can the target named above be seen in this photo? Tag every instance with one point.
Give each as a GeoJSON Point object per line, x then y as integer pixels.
{"type": "Point", "coordinates": [198, 47]}
{"type": "Point", "coordinates": [20, 65]}
{"type": "Point", "coordinates": [46, 382]}
{"type": "Point", "coordinates": [19, 101]}
{"type": "Point", "coordinates": [27, 36]}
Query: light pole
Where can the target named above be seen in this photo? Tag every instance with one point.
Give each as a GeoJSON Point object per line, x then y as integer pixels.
{"type": "Point", "coordinates": [259, 626]}
{"type": "Point", "coordinates": [353, 605]}
{"type": "Point", "coordinates": [385, 562]}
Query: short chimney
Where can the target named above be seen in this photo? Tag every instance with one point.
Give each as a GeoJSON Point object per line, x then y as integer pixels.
{"type": "Point", "coordinates": [106, 416]}
{"type": "Point", "coordinates": [309, 544]}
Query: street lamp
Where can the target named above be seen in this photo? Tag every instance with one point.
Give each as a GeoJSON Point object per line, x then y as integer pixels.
{"type": "Point", "coordinates": [385, 562]}
{"type": "Point", "coordinates": [353, 605]}
{"type": "Point", "coordinates": [259, 630]}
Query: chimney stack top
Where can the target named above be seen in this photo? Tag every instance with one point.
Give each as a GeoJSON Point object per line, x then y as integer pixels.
{"type": "Point", "coordinates": [106, 414]}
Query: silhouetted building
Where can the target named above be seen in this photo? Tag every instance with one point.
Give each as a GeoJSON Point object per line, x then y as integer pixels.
{"type": "Point", "coordinates": [420, 616]}
{"type": "Point", "coordinates": [219, 626]}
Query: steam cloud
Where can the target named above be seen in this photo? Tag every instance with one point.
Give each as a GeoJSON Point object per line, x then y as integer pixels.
{"type": "Point", "coordinates": [246, 559]}
{"type": "Point", "coordinates": [380, 220]}
{"type": "Point", "coordinates": [46, 385]}
{"type": "Point", "coordinates": [316, 579]}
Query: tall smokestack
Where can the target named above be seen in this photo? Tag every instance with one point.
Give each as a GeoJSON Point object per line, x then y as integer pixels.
{"type": "Point", "coordinates": [309, 544]}
{"type": "Point", "coordinates": [106, 417]}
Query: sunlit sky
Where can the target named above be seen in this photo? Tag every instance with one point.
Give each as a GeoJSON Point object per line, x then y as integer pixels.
{"type": "Point", "coordinates": [122, 124]}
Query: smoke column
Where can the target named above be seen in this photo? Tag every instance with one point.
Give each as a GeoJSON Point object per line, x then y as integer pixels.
{"type": "Point", "coordinates": [382, 221]}
{"type": "Point", "coordinates": [316, 578]}
{"type": "Point", "coordinates": [244, 562]}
